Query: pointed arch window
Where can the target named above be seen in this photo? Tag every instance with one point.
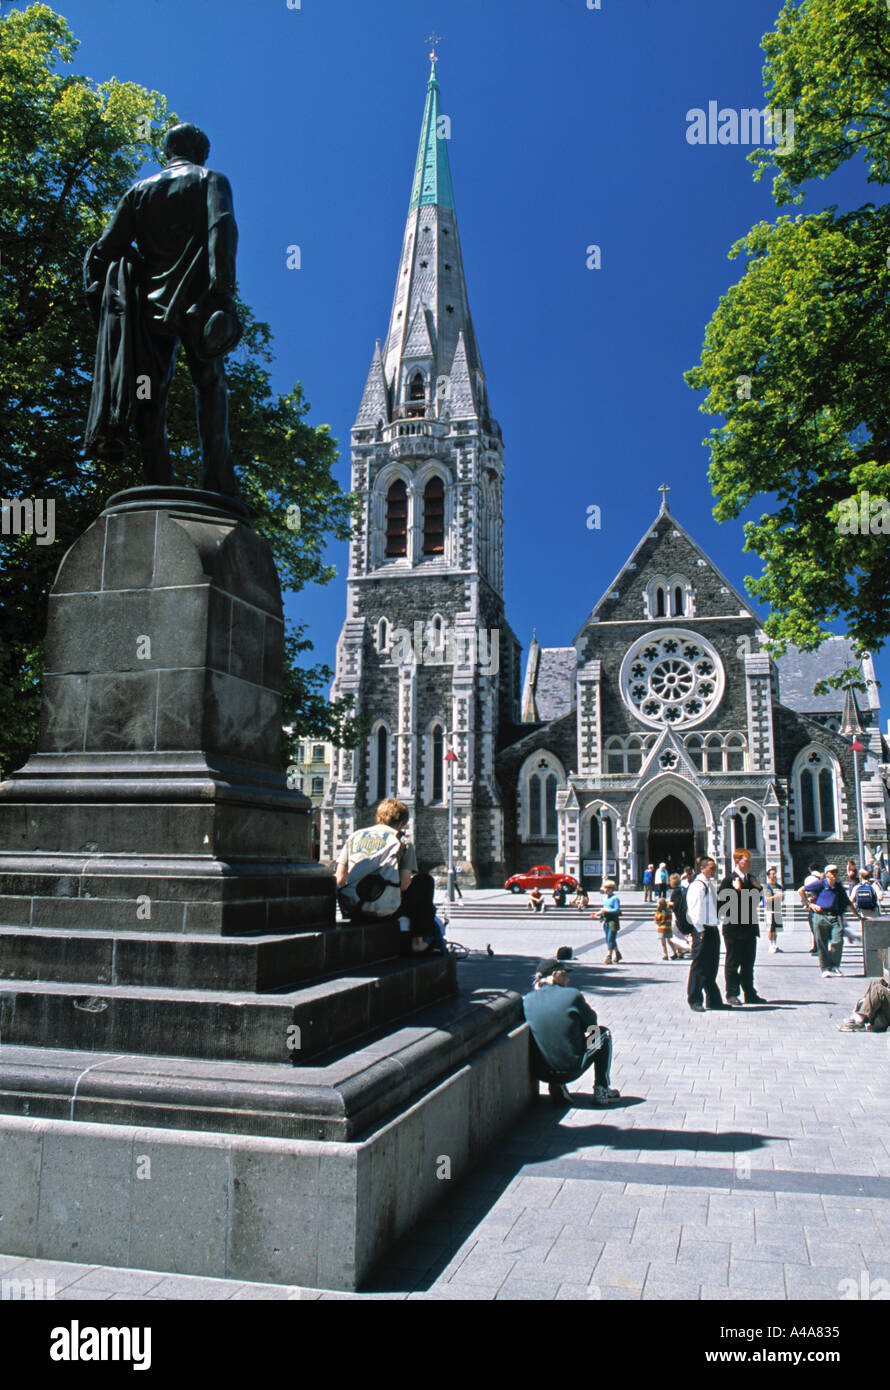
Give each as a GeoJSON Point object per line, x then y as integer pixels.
{"type": "Point", "coordinates": [534, 805]}
{"type": "Point", "coordinates": [438, 757]}
{"type": "Point", "coordinates": [397, 519]}
{"type": "Point", "coordinates": [817, 793]}
{"type": "Point", "coordinates": [679, 601]}
{"type": "Point", "coordinates": [417, 387]}
{"type": "Point", "coordinates": [550, 806]}
{"type": "Point", "coordinates": [434, 517]}
{"type": "Point", "coordinates": [659, 602]}
{"type": "Point", "coordinates": [382, 763]}
{"type": "Point", "coordinates": [383, 630]}
{"type": "Point", "coordinates": [744, 830]}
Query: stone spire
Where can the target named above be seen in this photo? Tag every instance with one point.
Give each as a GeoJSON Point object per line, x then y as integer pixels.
{"type": "Point", "coordinates": [851, 726]}
{"type": "Point", "coordinates": [430, 328]}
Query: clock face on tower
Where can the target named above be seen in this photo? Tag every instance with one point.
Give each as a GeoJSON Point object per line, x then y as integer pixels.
{"type": "Point", "coordinates": [672, 678]}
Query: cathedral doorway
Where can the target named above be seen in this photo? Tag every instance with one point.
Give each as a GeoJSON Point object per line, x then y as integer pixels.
{"type": "Point", "coordinates": [671, 837]}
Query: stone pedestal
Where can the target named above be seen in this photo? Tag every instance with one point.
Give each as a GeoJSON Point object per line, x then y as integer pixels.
{"type": "Point", "coordinates": [156, 800]}
{"type": "Point", "coordinates": [174, 985]}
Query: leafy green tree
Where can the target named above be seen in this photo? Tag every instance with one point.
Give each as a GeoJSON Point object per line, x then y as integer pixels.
{"type": "Point", "coordinates": [796, 358]}
{"type": "Point", "coordinates": [69, 149]}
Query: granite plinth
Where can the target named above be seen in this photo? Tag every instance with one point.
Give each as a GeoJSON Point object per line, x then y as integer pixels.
{"type": "Point", "coordinates": [158, 774]}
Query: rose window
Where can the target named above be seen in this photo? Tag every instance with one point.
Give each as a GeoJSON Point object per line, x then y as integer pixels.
{"type": "Point", "coordinates": [674, 679]}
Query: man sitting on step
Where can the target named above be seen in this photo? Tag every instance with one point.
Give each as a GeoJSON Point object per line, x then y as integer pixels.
{"type": "Point", "coordinates": [566, 1037]}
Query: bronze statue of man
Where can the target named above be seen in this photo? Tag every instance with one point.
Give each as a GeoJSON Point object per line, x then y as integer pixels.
{"type": "Point", "coordinates": [163, 272]}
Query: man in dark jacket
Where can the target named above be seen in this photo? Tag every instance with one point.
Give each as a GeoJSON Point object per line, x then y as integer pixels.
{"type": "Point", "coordinates": [739, 905]}
{"type": "Point", "coordinates": [566, 1037]}
{"type": "Point", "coordinates": [163, 271]}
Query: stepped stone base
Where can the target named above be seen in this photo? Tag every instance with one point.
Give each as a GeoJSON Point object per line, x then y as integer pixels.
{"type": "Point", "coordinates": [308, 1212]}
{"type": "Point", "coordinates": [200, 1072]}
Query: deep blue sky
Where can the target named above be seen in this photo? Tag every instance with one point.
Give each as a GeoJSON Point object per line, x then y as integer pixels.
{"type": "Point", "coordinates": [568, 128]}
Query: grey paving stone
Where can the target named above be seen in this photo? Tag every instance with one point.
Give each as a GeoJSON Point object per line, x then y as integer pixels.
{"type": "Point", "coordinates": [63, 1273]}
{"type": "Point", "coordinates": [668, 1282]}
{"type": "Point", "coordinates": [771, 1252]}
{"type": "Point", "coordinates": [764, 1280]}
{"type": "Point", "coordinates": [182, 1286]}
{"type": "Point", "coordinates": [256, 1293]}
{"type": "Point", "coordinates": [8, 1262]}
{"type": "Point", "coordinates": [135, 1281]}
{"type": "Point", "coordinates": [74, 1294]}
{"type": "Point", "coordinates": [578, 1293]}
{"type": "Point", "coordinates": [533, 1290]}
{"type": "Point", "coordinates": [484, 1269]}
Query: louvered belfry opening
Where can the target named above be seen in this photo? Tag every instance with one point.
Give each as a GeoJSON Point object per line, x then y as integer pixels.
{"type": "Point", "coordinates": [397, 519]}
{"type": "Point", "coordinates": [434, 517]}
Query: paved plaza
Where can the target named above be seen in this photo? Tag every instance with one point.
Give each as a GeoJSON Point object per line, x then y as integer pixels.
{"type": "Point", "coordinates": [749, 1156]}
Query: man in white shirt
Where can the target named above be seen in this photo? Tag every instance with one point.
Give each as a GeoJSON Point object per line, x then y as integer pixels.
{"type": "Point", "coordinates": [701, 909]}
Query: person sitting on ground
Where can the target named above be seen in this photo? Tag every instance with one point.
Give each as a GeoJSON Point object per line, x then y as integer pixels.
{"type": "Point", "coordinates": [559, 895]}
{"type": "Point", "coordinates": [581, 899]}
{"type": "Point", "coordinates": [872, 1013]}
{"type": "Point", "coordinates": [565, 1036]}
{"type": "Point", "coordinates": [378, 879]}
{"type": "Point", "coordinates": [535, 900]}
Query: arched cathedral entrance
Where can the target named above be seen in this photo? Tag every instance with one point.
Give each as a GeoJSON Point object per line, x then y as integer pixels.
{"type": "Point", "coordinates": [671, 836]}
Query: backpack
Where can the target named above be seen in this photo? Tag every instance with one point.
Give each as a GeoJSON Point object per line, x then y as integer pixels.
{"type": "Point", "coordinates": [865, 896]}
{"type": "Point", "coordinates": [373, 883]}
{"type": "Point", "coordinates": [683, 921]}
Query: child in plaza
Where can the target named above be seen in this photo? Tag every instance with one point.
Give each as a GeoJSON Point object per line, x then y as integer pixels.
{"type": "Point", "coordinates": [610, 913]}
{"type": "Point", "coordinates": [663, 921]}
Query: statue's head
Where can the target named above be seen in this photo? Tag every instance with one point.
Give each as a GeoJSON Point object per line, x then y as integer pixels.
{"type": "Point", "coordinates": [187, 141]}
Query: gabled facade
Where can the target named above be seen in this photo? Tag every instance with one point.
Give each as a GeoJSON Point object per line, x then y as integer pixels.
{"type": "Point", "coordinates": [675, 742]}
{"type": "Point", "coordinates": [425, 647]}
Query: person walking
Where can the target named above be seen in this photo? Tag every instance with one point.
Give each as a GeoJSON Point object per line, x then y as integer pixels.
{"type": "Point", "coordinates": [829, 906]}
{"type": "Point", "coordinates": [807, 892]}
{"type": "Point", "coordinates": [565, 1035]}
{"type": "Point", "coordinates": [739, 898]}
{"type": "Point", "coordinates": [661, 879]}
{"type": "Point", "coordinates": [852, 875]}
{"type": "Point", "coordinates": [868, 896]}
{"type": "Point", "coordinates": [681, 929]}
{"type": "Point", "coordinates": [701, 909]}
{"type": "Point", "coordinates": [648, 883]}
{"type": "Point", "coordinates": [771, 901]}
{"type": "Point", "coordinates": [610, 913]}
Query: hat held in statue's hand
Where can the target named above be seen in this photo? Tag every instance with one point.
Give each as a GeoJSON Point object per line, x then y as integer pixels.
{"type": "Point", "coordinates": [219, 328]}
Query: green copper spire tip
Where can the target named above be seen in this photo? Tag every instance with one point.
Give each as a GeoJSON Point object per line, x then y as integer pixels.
{"type": "Point", "coordinates": [432, 173]}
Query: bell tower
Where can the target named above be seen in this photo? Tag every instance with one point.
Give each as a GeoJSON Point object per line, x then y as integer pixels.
{"type": "Point", "coordinates": [425, 648]}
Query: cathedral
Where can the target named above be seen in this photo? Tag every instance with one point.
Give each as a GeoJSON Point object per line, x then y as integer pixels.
{"type": "Point", "coordinates": [662, 732]}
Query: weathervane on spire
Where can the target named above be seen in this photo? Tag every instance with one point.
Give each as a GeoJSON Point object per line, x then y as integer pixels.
{"type": "Point", "coordinates": [433, 39]}
{"type": "Point", "coordinates": [664, 490]}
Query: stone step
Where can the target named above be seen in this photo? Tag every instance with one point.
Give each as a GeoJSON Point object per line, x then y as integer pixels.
{"type": "Point", "coordinates": [232, 1025]}
{"type": "Point", "coordinates": [147, 912]}
{"type": "Point", "coordinates": [337, 1098]}
{"type": "Point", "coordinates": [171, 961]}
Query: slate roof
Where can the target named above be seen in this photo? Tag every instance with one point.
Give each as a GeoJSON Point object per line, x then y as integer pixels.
{"type": "Point", "coordinates": [555, 685]}
{"type": "Point", "coordinates": [799, 672]}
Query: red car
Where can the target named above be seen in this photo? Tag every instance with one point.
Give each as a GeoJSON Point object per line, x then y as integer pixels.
{"type": "Point", "coordinates": [541, 876]}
